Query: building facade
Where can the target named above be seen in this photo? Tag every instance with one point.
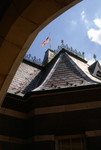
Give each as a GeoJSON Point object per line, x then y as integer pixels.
{"type": "Point", "coordinates": [55, 106]}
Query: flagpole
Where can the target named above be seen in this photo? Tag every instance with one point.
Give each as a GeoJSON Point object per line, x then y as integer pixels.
{"type": "Point", "coordinates": [50, 40]}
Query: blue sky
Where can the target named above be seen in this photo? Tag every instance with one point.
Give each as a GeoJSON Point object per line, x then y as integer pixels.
{"type": "Point", "coordinates": [79, 27]}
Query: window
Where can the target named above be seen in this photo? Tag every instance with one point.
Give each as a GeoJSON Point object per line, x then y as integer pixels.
{"type": "Point", "coordinates": [98, 74]}
{"type": "Point", "coordinates": [70, 144]}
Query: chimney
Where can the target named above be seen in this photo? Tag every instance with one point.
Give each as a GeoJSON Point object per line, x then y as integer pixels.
{"type": "Point", "coordinates": [49, 55]}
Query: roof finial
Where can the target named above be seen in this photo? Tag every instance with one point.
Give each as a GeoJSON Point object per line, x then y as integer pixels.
{"type": "Point", "coordinates": [62, 42]}
{"type": "Point", "coordinates": [94, 56]}
{"type": "Point", "coordinates": [83, 55]}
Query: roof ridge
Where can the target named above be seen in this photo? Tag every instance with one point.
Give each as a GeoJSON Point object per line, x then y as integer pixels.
{"type": "Point", "coordinates": [52, 70]}
{"type": "Point", "coordinates": [50, 73]}
{"type": "Point", "coordinates": [81, 71]}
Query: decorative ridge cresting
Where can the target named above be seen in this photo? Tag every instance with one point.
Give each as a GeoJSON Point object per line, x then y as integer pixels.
{"type": "Point", "coordinates": [70, 49]}
{"type": "Point", "coordinates": [33, 59]}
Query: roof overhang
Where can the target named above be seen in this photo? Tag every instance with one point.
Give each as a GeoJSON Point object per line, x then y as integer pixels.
{"type": "Point", "coordinates": [60, 91]}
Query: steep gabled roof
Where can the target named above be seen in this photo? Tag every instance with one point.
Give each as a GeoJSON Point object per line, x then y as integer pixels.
{"type": "Point", "coordinates": [95, 69]}
{"type": "Point", "coordinates": [64, 71]}
{"type": "Point", "coordinates": [85, 68]}
{"type": "Point", "coordinates": [92, 67]}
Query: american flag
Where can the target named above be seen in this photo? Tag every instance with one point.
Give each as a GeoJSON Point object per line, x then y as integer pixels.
{"type": "Point", "coordinates": [45, 42]}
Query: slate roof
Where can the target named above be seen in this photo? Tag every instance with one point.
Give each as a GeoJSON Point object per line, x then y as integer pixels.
{"type": "Point", "coordinates": [92, 67]}
{"type": "Point", "coordinates": [95, 70]}
{"type": "Point", "coordinates": [66, 71]}
{"type": "Point", "coordinates": [85, 69]}
{"type": "Point", "coordinates": [26, 73]}
{"type": "Point", "coordinates": [63, 71]}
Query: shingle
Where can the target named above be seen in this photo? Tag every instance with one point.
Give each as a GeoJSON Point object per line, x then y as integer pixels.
{"type": "Point", "coordinates": [24, 75]}
{"type": "Point", "coordinates": [62, 72]}
{"type": "Point", "coordinates": [65, 73]}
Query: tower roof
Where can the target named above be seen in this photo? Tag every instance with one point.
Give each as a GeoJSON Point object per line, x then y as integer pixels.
{"type": "Point", "coordinates": [64, 70]}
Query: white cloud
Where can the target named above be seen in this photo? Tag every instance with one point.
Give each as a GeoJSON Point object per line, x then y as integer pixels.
{"type": "Point", "coordinates": [93, 34]}
{"type": "Point", "coordinates": [83, 14]}
{"type": "Point", "coordinates": [100, 62]}
{"type": "Point", "coordinates": [90, 62]}
{"type": "Point", "coordinates": [98, 14]}
{"type": "Point", "coordinates": [98, 22]}
{"type": "Point", "coordinates": [74, 22]}
{"type": "Point", "coordinates": [86, 21]}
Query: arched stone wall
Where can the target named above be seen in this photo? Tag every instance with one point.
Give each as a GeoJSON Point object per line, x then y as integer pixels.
{"type": "Point", "coordinates": [20, 22]}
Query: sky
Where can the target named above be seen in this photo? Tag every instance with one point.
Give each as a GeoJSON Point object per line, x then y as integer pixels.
{"type": "Point", "coordinates": [79, 27]}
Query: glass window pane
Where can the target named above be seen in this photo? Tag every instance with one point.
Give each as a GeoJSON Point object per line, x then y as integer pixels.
{"type": "Point", "coordinates": [64, 144]}
{"type": "Point", "coordinates": [71, 144]}
{"type": "Point", "coordinates": [77, 144]}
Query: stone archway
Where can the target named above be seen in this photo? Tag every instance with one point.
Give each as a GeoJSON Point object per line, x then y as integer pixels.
{"type": "Point", "coordinates": [20, 22]}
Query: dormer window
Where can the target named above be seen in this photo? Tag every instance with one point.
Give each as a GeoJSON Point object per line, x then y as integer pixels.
{"type": "Point", "coordinates": [98, 74]}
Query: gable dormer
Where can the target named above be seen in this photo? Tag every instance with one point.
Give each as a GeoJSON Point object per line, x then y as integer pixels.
{"type": "Point", "coordinates": [95, 70]}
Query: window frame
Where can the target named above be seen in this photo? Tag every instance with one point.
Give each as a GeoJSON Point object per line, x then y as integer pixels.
{"type": "Point", "coordinates": [82, 136]}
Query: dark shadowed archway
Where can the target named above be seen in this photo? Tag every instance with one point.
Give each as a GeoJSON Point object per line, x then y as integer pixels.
{"type": "Point", "coordinates": [20, 22]}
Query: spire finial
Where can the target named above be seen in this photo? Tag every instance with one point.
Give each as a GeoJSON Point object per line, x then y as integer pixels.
{"type": "Point", "coordinates": [94, 56]}
{"type": "Point", "coordinates": [83, 55]}
{"type": "Point", "coordinates": [62, 42]}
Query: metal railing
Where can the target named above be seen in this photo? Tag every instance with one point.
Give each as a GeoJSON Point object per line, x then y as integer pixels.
{"type": "Point", "coordinates": [70, 49]}
{"type": "Point", "coordinates": [33, 59]}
